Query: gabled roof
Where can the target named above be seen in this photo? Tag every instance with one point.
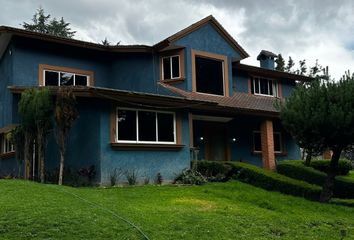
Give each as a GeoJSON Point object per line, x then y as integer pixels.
{"type": "Point", "coordinates": [210, 19]}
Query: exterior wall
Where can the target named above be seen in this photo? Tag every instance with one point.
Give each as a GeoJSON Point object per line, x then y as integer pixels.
{"type": "Point", "coordinates": [240, 81]}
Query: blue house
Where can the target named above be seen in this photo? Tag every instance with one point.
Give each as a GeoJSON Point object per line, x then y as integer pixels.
{"type": "Point", "coordinates": [152, 109]}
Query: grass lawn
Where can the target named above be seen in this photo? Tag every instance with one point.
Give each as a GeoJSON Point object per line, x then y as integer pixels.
{"type": "Point", "coordinates": [351, 174]}
{"type": "Point", "coordinates": [230, 210]}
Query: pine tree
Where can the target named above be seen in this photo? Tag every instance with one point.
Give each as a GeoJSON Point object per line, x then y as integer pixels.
{"type": "Point", "coordinates": [280, 63]}
{"type": "Point", "coordinates": [290, 65]}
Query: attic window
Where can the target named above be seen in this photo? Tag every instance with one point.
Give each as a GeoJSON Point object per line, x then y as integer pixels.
{"type": "Point", "coordinates": [264, 86]}
{"type": "Point", "coordinates": [171, 67]}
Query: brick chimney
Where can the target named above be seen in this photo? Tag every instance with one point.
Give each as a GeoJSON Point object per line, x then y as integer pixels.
{"type": "Point", "coordinates": [266, 59]}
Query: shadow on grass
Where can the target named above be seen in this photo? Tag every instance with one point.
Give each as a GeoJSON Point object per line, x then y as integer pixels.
{"type": "Point", "coordinates": [343, 202]}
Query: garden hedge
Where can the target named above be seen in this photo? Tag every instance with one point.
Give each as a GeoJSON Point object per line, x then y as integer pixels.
{"type": "Point", "coordinates": [344, 166]}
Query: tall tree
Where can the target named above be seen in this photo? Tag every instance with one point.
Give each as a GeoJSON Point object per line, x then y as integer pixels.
{"type": "Point", "coordinates": [105, 42]}
{"type": "Point", "coordinates": [65, 115]}
{"type": "Point", "coordinates": [321, 116]}
{"type": "Point", "coordinates": [42, 23]}
{"type": "Point", "coordinates": [303, 69]}
{"type": "Point", "coordinates": [17, 138]}
{"type": "Point", "coordinates": [290, 65]}
{"type": "Point", "coordinates": [280, 63]}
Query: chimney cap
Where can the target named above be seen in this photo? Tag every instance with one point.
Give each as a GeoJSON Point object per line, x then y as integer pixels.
{"type": "Point", "coordinates": [266, 53]}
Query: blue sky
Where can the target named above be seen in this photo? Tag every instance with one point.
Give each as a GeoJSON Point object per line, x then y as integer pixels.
{"type": "Point", "coordinates": [308, 30]}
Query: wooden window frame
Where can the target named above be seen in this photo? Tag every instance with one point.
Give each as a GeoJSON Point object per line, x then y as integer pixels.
{"type": "Point", "coordinates": [4, 152]}
{"type": "Point", "coordinates": [171, 70]}
{"type": "Point", "coordinates": [275, 86]}
{"type": "Point", "coordinates": [213, 56]}
{"type": "Point", "coordinates": [170, 54]}
{"type": "Point", "coordinates": [275, 132]}
{"type": "Point", "coordinates": [45, 67]}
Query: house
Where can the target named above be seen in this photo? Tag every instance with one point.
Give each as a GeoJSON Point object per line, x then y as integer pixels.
{"type": "Point", "coordinates": [151, 108]}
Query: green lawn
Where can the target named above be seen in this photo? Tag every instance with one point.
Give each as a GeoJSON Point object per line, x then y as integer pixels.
{"type": "Point", "coordinates": [351, 174]}
{"type": "Point", "coordinates": [230, 210]}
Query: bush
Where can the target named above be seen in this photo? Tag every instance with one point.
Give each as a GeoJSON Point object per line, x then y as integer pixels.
{"type": "Point", "coordinates": [275, 182]}
{"type": "Point", "coordinates": [343, 186]}
{"type": "Point", "coordinates": [132, 176]}
{"type": "Point", "coordinates": [214, 171]}
{"type": "Point", "coordinates": [344, 166]}
{"type": "Point", "coordinates": [190, 176]}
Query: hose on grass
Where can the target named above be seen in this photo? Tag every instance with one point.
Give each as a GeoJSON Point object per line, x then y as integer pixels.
{"type": "Point", "coordinates": [106, 210]}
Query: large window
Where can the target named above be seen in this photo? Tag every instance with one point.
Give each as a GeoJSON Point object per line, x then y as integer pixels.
{"type": "Point", "coordinates": [142, 126]}
{"type": "Point", "coordinates": [6, 146]}
{"type": "Point", "coordinates": [171, 67]}
{"type": "Point", "coordinates": [58, 78]}
{"type": "Point", "coordinates": [209, 75]}
{"type": "Point", "coordinates": [264, 86]}
{"type": "Point", "coordinates": [257, 144]}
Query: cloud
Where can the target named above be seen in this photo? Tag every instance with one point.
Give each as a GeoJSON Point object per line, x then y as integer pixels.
{"type": "Point", "coordinates": [302, 29]}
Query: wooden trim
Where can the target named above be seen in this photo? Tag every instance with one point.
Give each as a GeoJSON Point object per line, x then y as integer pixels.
{"type": "Point", "coordinates": [179, 128]}
{"type": "Point", "coordinates": [180, 53]}
{"type": "Point", "coordinates": [280, 90]}
{"type": "Point", "coordinates": [113, 120]}
{"type": "Point", "coordinates": [7, 155]}
{"type": "Point", "coordinates": [249, 86]}
{"type": "Point", "coordinates": [173, 81]}
{"type": "Point", "coordinates": [152, 147]}
{"type": "Point", "coordinates": [191, 134]}
{"type": "Point", "coordinates": [215, 57]}
{"type": "Point", "coordinates": [43, 67]}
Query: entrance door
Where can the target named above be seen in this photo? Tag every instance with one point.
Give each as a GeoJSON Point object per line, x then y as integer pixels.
{"type": "Point", "coordinates": [216, 144]}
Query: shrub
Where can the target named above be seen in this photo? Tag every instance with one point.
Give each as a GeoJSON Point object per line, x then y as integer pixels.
{"type": "Point", "coordinates": [158, 179]}
{"type": "Point", "coordinates": [88, 174]}
{"type": "Point", "coordinates": [115, 176]}
{"type": "Point", "coordinates": [276, 182]}
{"type": "Point", "coordinates": [343, 186]}
{"type": "Point", "coordinates": [132, 176]}
{"type": "Point", "coordinates": [344, 166]}
{"type": "Point", "coordinates": [190, 176]}
{"type": "Point", "coordinates": [214, 171]}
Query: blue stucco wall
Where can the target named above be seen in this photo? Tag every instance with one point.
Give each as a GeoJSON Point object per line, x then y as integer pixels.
{"type": "Point", "coordinates": [240, 81]}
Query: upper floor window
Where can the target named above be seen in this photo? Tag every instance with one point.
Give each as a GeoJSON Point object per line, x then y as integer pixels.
{"type": "Point", "coordinates": [6, 146]}
{"type": "Point", "coordinates": [264, 86]}
{"type": "Point", "coordinates": [171, 67]}
{"type": "Point", "coordinates": [143, 126]}
{"type": "Point", "coordinates": [63, 76]}
{"type": "Point", "coordinates": [210, 74]}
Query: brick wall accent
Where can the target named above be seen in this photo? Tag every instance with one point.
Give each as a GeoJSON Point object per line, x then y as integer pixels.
{"type": "Point", "coordinates": [267, 141]}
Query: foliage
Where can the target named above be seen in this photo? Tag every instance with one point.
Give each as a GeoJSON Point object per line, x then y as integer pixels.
{"type": "Point", "coordinates": [190, 176]}
{"type": "Point", "coordinates": [88, 173]}
{"type": "Point", "coordinates": [42, 23]}
{"type": "Point", "coordinates": [290, 65]}
{"type": "Point", "coordinates": [275, 182]}
{"type": "Point", "coordinates": [343, 186]}
{"type": "Point", "coordinates": [158, 179]}
{"type": "Point", "coordinates": [65, 115]}
{"type": "Point", "coordinates": [303, 68]}
{"type": "Point", "coordinates": [105, 42]}
{"type": "Point", "coordinates": [132, 176]}
{"type": "Point", "coordinates": [115, 176]}
{"type": "Point", "coordinates": [214, 171]}
{"type": "Point", "coordinates": [280, 63]}
{"type": "Point", "coordinates": [17, 138]}
{"type": "Point", "coordinates": [344, 166]}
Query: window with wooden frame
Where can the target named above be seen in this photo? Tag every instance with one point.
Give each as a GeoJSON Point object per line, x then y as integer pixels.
{"type": "Point", "coordinates": [172, 65]}
{"type": "Point", "coordinates": [63, 76]}
{"type": "Point", "coordinates": [257, 142]}
{"type": "Point", "coordinates": [264, 87]}
{"type": "Point", "coordinates": [210, 73]}
{"type": "Point", "coordinates": [5, 144]}
{"type": "Point", "coordinates": [145, 126]}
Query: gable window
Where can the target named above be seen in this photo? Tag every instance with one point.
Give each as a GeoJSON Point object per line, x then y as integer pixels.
{"type": "Point", "coordinates": [143, 126]}
{"type": "Point", "coordinates": [264, 86]}
{"type": "Point", "coordinates": [171, 67]}
{"type": "Point", "coordinates": [6, 146]}
{"type": "Point", "coordinates": [209, 73]}
{"type": "Point", "coordinates": [257, 144]}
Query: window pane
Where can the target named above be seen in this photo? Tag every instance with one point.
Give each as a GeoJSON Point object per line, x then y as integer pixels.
{"type": "Point", "coordinates": [147, 126]}
{"type": "Point", "coordinates": [165, 127]}
{"type": "Point", "coordinates": [126, 125]}
{"type": "Point", "coordinates": [166, 68]}
{"type": "Point", "coordinates": [66, 79]}
{"type": "Point", "coordinates": [277, 142]}
{"type": "Point", "coordinates": [80, 80]}
{"type": "Point", "coordinates": [51, 78]}
{"type": "Point", "coordinates": [270, 84]}
{"type": "Point", "coordinates": [264, 86]}
{"type": "Point", "coordinates": [256, 85]}
{"type": "Point", "coordinates": [209, 76]}
{"type": "Point", "coordinates": [175, 67]}
{"type": "Point", "coordinates": [257, 145]}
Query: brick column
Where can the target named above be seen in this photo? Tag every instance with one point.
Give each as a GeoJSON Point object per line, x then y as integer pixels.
{"type": "Point", "coordinates": [267, 141]}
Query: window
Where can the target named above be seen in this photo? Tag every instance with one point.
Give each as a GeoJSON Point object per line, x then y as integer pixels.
{"type": "Point", "coordinates": [171, 67]}
{"type": "Point", "coordinates": [58, 78]}
{"type": "Point", "coordinates": [257, 144]}
{"type": "Point", "coordinates": [142, 126]}
{"type": "Point", "coordinates": [263, 86]}
{"type": "Point", "coordinates": [6, 146]}
{"type": "Point", "coordinates": [209, 76]}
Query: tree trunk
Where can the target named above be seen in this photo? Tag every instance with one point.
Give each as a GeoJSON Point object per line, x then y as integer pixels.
{"type": "Point", "coordinates": [40, 146]}
{"type": "Point", "coordinates": [62, 153]}
{"type": "Point", "coordinates": [308, 158]}
{"type": "Point", "coordinates": [327, 189]}
{"type": "Point", "coordinates": [28, 155]}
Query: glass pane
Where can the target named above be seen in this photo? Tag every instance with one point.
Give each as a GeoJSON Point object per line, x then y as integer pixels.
{"type": "Point", "coordinates": [147, 126]}
{"type": "Point", "coordinates": [66, 79]}
{"type": "Point", "coordinates": [264, 86]}
{"type": "Point", "coordinates": [165, 127]}
{"type": "Point", "coordinates": [126, 125]}
{"type": "Point", "coordinates": [257, 141]}
{"type": "Point", "coordinates": [256, 85]}
{"type": "Point", "coordinates": [209, 76]}
{"type": "Point", "coordinates": [270, 83]}
{"type": "Point", "coordinates": [277, 142]}
{"type": "Point", "coordinates": [175, 67]}
{"type": "Point", "coordinates": [51, 78]}
{"type": "Point", "coordinates": [166, 68]}
{"type": "Point", "coordinates": [80, 80]}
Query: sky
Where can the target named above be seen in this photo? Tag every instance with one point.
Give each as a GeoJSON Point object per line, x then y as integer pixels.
{"type": "Point", "coordinates": [302, 29]}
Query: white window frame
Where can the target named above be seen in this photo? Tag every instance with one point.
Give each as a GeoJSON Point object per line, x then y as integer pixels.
{"type": "Point", "coordinates": [59, 72]}
{"type": "Point", "coordinates": [280, 139]}
{"type": "Point", "coordinates": [171, 70]}
{"type": "Point", "coordinates": [137, 127]}
{"type": "Point", "coordinates": [274, 86]}
{"type": "Point", "coordinates": [6, 146]}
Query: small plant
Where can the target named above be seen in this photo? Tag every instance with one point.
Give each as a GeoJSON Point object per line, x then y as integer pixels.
{"type": "Point", "coordinates": [88, 173]}
{"type": "Point", "coordinates": [146, 179]}
{"type": "Point", "coordinates": [190, 176]}
{"type": "Point", "coordinates": [115, 176]}
{"type": "Point", "coordinates": [158, 179]}
{"type": "Point", "coordinates": [132, 176]}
